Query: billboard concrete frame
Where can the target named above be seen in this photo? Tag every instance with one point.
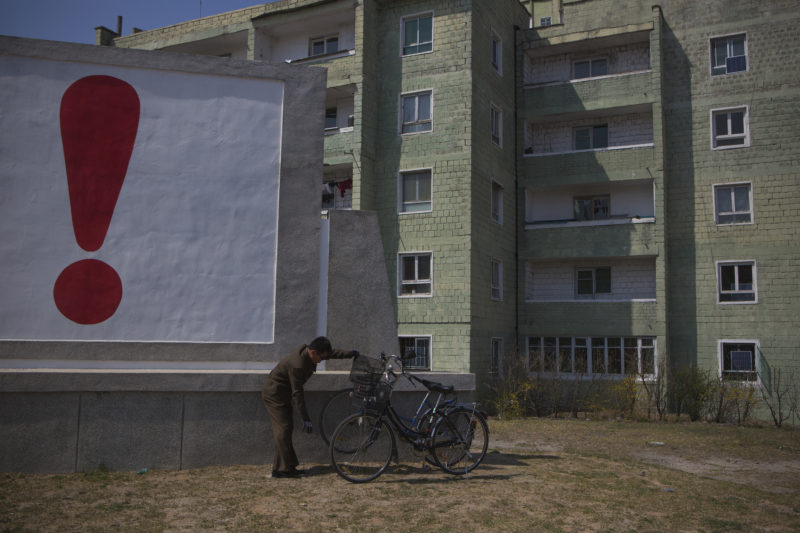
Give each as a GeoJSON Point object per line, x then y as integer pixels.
{"type": "Point", "coordinates": [166, 82]}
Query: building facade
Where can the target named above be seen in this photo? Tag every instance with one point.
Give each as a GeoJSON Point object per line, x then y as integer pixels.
{"type": "Point", "coordinates": [602, 185]}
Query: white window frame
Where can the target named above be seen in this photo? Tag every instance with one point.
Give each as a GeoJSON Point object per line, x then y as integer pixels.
{"type": "Point", "coordinates": [594, 293]}
{"type": "Point", "coordinates": [745, 136]}
{"type": "Point", "coordinates": [416, 16]}
{"type": "Point", "coordinates": [588, 346]}
{"type": "Point", "coordinates": [325, 39]}
{"type": "Point", "coordinates": [756, 359]}
{"type": "Point", "coordinates": [496, 357]}
{"type": "Point", "coordinates": [591, 128]}
{"type": "Point", "coordinates": [754, 291]}
{"type": "Point", "coordinates": [417, 280]}
{"type": "Point", "coordinates": [496, 53]}
{"type": "Point", "coordinates": [593, 199]}
{"type": "Point", "coordinates": [496, 201]}
{"type": "Point", "coordinates": [496, 280]}
{"type": "Point", "coordinates": [415, 95]}
{"type": "Point", "coordinates": [496, 126]}
{"type": "Point", "coordinates": [429, 339]}
{"type": "Point", "coordinates": [732, 186]}
{"type": "Point", "coordinates": [401, 203]}
{"type": "Point", "coordinates": [728, 37]}
{"type": "Point", "coordinates": [589, 60]}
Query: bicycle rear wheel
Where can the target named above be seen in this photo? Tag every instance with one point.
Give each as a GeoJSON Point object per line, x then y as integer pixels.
{"type": "Point", "coordinates": [361, 447]}
{"type": "Point", "coordinates": [459, 440]}
{"type": "Point", "coordinates": [336, 408]}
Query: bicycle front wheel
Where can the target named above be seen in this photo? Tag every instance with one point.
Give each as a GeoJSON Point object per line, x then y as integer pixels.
{"type": "Point", "coordinates": [336, 409]}
{"type": "Point", "coordinates": [459, 440]}
{"type": "Point", "coordinates": [361, 447]}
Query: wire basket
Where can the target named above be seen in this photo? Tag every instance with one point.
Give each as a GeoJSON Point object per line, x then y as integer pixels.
{"type": "Point", "coordinates": [370, 393]}
{"type": "Point", "coordinates": [372, 397]}
{"type": "Point", "coordinates": [366, 370]}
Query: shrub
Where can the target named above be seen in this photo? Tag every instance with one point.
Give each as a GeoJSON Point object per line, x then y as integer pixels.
{"type": "Point", "coordinates": [689, 390]}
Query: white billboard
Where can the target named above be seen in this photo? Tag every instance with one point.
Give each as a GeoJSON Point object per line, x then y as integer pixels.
{"type": "Point", "coordinates": [137, 204]}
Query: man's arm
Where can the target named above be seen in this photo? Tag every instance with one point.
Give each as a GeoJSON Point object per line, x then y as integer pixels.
{"type": "Point", "coordinates": [297, 380]}
{"type": "Point", "coordinates": [341, 354]}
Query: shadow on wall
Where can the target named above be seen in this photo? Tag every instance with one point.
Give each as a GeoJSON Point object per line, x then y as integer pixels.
{"type": "Point", "coordinates": [682, 253]}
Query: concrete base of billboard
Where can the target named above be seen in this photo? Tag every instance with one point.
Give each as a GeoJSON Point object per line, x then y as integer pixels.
{"type": "Point", "coordinates": [57, 422]}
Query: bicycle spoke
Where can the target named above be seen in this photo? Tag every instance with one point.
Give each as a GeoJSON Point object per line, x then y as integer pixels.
{"type": "Point", "coordinates": [361, 447]}
{"type": "Point", "coordinates": [460, 440]}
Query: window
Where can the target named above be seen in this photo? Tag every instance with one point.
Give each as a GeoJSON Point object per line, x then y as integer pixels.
{"type": "Point", "coordinates": [497, 279]}
{"type": "Point", "coordinates": [730, 128]}
{"type": "Point", "coordinates": [415, 191]}
{"type": "Point", "coordinates": [497, 125]}
{"type": "Point", "coordinates": [330, 118]}
{"type": "Point", "coordinates": [738, 360]}
{"type": "Point", "coordinates": [592, 281]}
{"type": "Point", "coordinates": [590, 68]}
{"type": "Point", "coordinates": [497, 54]}
{"type": "Point", "coordinates": [415, 274]}
{"type": "Point", "coordinates": [416, 112]}
{"type": "Point", "coordinates": [591, 137]}
{"type": "Point", "coordinates": [323, 45]}
{"type": "Point", "coordinates": [591, 207]}
{"type": "Point", "coordinates": [417, 347]}
{"type": "Point", "coordinates": [418, 34]}
{"type": "Point", "coordinates": [545, 21]}
{"type": "Point", "coordinates": [728, 54]}
{"type": "Point", "coordinates": [593, 355]}
{"type": "Point", "coordinates": [496, 356]}
{"type": "Point", "coordinates": [736, 282]}
{"type": "Point", "coordinates": [732, 204]}
{"type": "Point", "coordinates": [497, 202]}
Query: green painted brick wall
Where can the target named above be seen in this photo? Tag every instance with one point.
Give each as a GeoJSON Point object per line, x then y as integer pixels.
{"type": "Point", "coordinates": [770, 89]}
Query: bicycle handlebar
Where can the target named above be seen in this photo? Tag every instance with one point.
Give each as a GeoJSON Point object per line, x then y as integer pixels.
{"type": "Point", "coordinates": [388, 370]}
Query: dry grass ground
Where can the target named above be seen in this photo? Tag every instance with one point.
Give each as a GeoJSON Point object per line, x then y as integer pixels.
{"type": "Point", "coordinates": [540, 475]}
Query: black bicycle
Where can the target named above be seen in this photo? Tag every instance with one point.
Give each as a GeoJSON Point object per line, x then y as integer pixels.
{"type": "Point", "coordinates": [344, 402]}
{"type": "Point", "coordinates": [363, 444]}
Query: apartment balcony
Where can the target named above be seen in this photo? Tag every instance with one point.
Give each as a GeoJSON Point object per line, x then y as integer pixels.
{"type": "Point", "coordinates": [598, 318]}
{"type": "Point", "coordinates": [322, 35]}
{"type": "Point", "coordinates": [635, 161]}
{"type": "Point", "coordinates": [636, 237]}
{"type": "Point", "coordinates": [337, 186]}
{"type": "Point", "coordinates": [586, 95]}
{"type": "Point", "coordinates": [339, 146]}
{"type": "Point", "coordinates": [339, 122]}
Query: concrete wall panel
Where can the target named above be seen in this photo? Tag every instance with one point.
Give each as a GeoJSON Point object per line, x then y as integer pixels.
{"type": "Point", "coordinates": [130, 430]}
{"type": "Point", "coordinates": [38, 433]}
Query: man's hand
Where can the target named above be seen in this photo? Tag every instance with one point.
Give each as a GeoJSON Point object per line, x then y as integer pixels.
{"type": "Point", "coordinates": [353, 354]}
{"type": "Point", "coordinates": [308, 427]}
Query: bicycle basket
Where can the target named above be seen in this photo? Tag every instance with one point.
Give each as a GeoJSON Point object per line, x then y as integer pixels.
{"type": "Point", "coordinates": [366, 370]}
{"type": "Point", "coordinates": [372, 397]}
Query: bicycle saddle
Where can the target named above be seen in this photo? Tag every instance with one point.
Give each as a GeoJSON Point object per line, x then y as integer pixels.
{"type": "Point", "coordinates": [437, 387]}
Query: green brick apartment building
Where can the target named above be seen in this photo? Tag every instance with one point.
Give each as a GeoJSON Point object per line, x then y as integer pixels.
{"type": "Point", "coordinates": [601, 184]}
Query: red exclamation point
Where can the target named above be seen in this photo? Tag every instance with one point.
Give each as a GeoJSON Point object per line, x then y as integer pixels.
{"type": "Point", "coordinates": [99, 120]}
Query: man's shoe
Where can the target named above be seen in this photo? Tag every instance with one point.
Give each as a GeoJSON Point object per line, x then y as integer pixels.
{"type": "Point", "coordinates": [286, 473]}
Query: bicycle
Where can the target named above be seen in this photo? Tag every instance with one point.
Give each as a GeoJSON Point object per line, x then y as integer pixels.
{"type": "Point", "coordinates": [344, 401]}
{"type": "Point", "coordinates": [364, 443]}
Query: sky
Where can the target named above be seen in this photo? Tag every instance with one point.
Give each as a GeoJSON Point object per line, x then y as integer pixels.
{"type": "Point", "coordinates": [75, 20]}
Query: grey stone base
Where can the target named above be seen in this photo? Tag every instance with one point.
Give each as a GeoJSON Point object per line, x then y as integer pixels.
{"type": "Point", "coordinates": [157, 420]}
